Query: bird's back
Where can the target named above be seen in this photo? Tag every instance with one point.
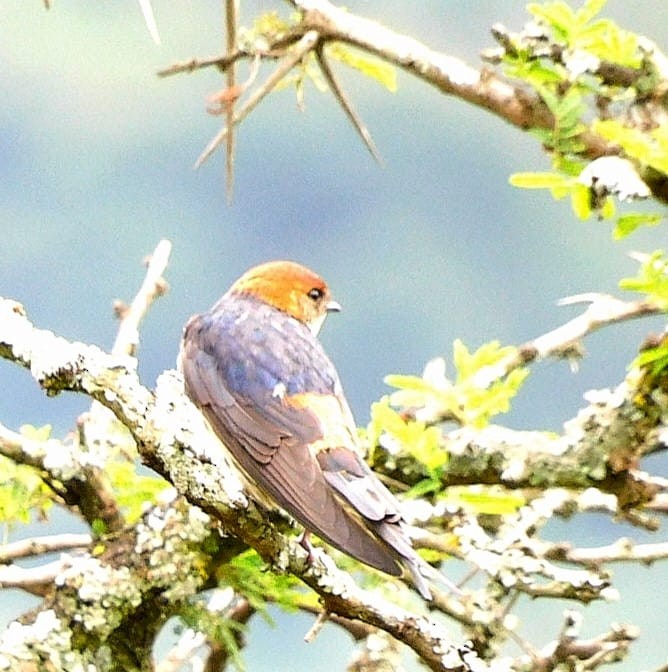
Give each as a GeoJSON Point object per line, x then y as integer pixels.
{"type": "Point", "coordinates": [253, 371]}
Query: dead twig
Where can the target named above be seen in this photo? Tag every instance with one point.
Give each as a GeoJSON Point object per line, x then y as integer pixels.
{"type": "Point", "coordinates": [306, 44]}
{"type": "Point", "coordinates": [341, 97]}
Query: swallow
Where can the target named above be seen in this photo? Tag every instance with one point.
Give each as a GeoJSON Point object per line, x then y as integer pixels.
{"type": "Point", "coordinates": [255, 368]}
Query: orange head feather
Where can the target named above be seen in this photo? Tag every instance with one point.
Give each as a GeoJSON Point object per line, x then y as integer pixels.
{"type": "Point", "coordinates": [289, 287]}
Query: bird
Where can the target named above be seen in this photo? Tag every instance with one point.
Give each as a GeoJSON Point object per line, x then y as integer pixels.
{"type": "Point", "coordinates": [256, 370]}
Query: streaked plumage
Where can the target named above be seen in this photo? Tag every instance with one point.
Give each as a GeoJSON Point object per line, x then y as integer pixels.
{"type": "Point", "coordinates": [255, 368]}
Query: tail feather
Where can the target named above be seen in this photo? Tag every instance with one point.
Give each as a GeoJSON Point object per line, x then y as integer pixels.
{"type": "Point", "coordinates": [396, 536]}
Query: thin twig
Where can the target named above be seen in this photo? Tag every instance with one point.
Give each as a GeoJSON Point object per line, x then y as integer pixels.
{"type": "Point", "coordinates": [147, 11]}
{"type": "Point", "coordinates": [602, 311]}
{"type": "Point", "coordinates": [221, 62]}
{"type": "Point", "coordinates": [153, 286]}
{"type": "Point", "coordinates": [622, 550]}
{"type": "Point", "coordinates": [341, 97]}
{"type": "Point", "coordinates": [231, 19]}
{"type": "Point", "coordinates": [306, 44]}
{"type": "Point", "coordinates": [39, 545]}
{"type": "Point", "coordinates": [317, 626]}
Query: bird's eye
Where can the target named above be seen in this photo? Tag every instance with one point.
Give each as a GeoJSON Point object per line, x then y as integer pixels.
{"type": "Point", "coordinates": [315, 294]}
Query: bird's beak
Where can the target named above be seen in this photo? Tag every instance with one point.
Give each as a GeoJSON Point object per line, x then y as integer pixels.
{"type": "Point", "coordinates": [333, 307]}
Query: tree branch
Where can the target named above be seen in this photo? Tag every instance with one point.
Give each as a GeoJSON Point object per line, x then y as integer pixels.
{"type": "Point", "coordinates": [40, 545]}
{"type": "Point", "coordinates": [115, 597]}
{"type": "Point", "coordinates": [448, 74]}
{"type": "Point", "coordinates": [37, 581]}
{"type": "Point", "coordinates": [153, 286]}
{"type": "Point", "coordinates": [622, 550]}
{"type": "Point", "coordinates": [73, 474]}
{"type": "Point", "coordinates": [564, 341]}
{"type": "Point", "coordinates": [292, 57]}
{"type": "Point", "coordinates": [173, 440]}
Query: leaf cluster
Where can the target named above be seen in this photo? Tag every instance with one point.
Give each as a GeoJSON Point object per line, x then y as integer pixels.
{"type": "Point", "coordinates": [410, 421]}
{"type": "Point", "coordinates": [23, 493]}
{"type": "Point", "coordinates": [593, 77]}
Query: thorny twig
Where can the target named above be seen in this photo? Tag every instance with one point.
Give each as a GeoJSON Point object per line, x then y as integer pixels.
{"type": "Point", "coordinates": [307, 42]}
{"type": "Point", "coordinates": [341, 97]}
{"type": "Point", "coordinates": [231, 20]}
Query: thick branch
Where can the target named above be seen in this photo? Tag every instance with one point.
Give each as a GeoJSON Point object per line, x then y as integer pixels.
{"type": "Point", "coordinates": [74, 475]}
{"type": "Point", "coordinates": [116, 597]}
{"type": "Point", "coordinates": [448, 74]}
{"type": "Point", "coordinates": [173, 440]}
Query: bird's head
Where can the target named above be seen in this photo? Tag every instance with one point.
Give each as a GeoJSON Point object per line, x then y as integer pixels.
{"type": "Point", "coordinates": [290, 287]}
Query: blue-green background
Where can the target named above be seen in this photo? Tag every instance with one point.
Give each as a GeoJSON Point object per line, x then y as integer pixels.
{"type": "Point", "coordinates": [96, 159]}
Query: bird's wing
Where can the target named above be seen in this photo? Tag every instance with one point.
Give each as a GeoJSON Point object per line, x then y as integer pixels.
{"type": "Point", "coordinates": [279, 439]}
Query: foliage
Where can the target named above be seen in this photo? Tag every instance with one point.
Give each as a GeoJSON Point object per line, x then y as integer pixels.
{"type": "Point", "coordinates": [22, 490]}
{"type": "Point", "coordinates": [652, 281]}
{"type": "Point", "coordinates": [217, 628]}
{"type": "Point", "coordinates": [468, 400]}
{"type": "Point", "coordinates": [247, 574]}
{"type": "Point", "coordinates": [491, 501]}
{"type": "Point", "coordinates": [580, 64]}
{"type": "Point", "coordinates": [133, 491]}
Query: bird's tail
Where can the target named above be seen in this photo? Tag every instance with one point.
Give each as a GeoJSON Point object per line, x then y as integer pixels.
{"type": "Point", "coordinates": [396, 535]}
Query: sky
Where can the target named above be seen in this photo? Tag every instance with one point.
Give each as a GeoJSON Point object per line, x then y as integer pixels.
{"type": "Point", "coordinates": [96, 159]}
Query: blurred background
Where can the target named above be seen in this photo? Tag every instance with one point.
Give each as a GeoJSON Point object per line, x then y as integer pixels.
{"type": "Point", "coordinates": [96, 157]}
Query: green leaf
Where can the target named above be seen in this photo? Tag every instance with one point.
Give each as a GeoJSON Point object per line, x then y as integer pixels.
{"type": "Point", "coordinates": [247, 574]}
{"type": "Point", "coordinates": [651, 280]}
{"type": "Point", "coordinates": [267, 28]}
{"type": "Point", "coordinates": [589, 10]}
{"type": "Point", "coordinates": [484, 500]}
{"type": "Point", "coordinates": [655, 358]}
{"type": "Point", "coordinates": [217, 628]}
{"type": "Point", "coordinates": [22, 492]}
{"type": "Point", "coordinates": [370, 66]}
{"type": "Point", "coordinates": [648, 147]}
{"type": "Point", "coordinates": [469, 363]}
{"type": "Point", "coordinates": [414, 437]}
{"type": "Point", "coordinates": [608, 209]}
{"type": "Point", "coordinates": [581, 201]}
{"type": "Point", "coordinates": [558, 15]}
{"type": "Point", "coordinates": [539, 181]}
{"type": "Point", "coordinates": [383, 419]}
{"type": "Point", "coordinates": [467, 400]}
{"type": "Point", "coordinates": [629, 222]}
{"type": "Point", "coordinates": [98, 527]}
{"type": "Point", "coordinates": [569, 109]}
{"type": "Point", "coordinates": [568, 166]}
{"type": "Point", "coordinates": [42, 433]}
{"type": "Point", "coordinates": [132, 490]}
{"type": "Point", "coordinates": [425, 487]}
